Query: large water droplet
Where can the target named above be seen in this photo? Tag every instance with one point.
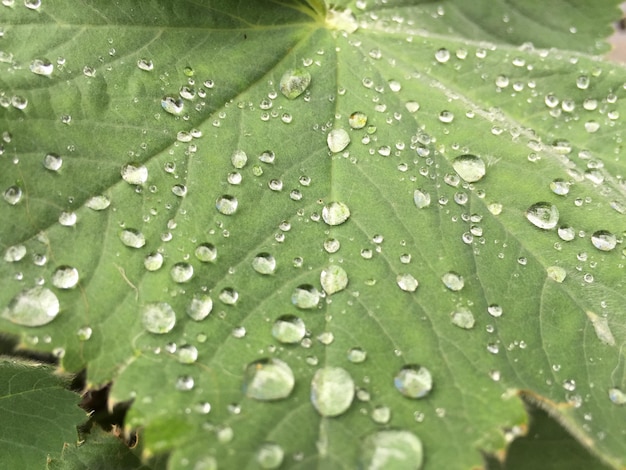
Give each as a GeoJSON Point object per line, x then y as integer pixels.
{"type": "Point", "coordinates": [414, 381]}
{"type": "Point", "coordinates": [332, 391]}
{"type": "Point", "coordinates": [15, 253]}
{"type": "Point", "coordinates": [288, 329]}
{"type": "Point", "coordinates": [469, 167]}
{"type": "Point", "coordinates": [453, 281]}
{"type": "Point", "coordinates": [134, 173]}
{"type": "Point", "coordinates": [604, 240]}
{"type": "Point", "coordinates": [32, 307]}
{"type": "Point", "coordinates": [132, 238]}
{"type": "Point", "coordinates": [200, 307]}
{"type": "Point", "coordinates": [65, 277]}
{"type": "Point", "coordinates": [187, 354]}
{"type": "Point", "coordinates": [52, 162]}
{"type": "Point", "coordinates": [158, 318]}
{"type": "Point", "coordinates": [294, 82]}
{"type": "Point", "coordinates": [181, 272]}
{"type": "Point", "coordinates": [268, 379]}
{"type": "Point", "coordinates": [543, 215]}
{"type": "Point", "coordinates": [98, 203]}
{"type": "Point", "coordinates": [264, 263]}
{"type": "Point", "coordinates": [392, 449]}
{"type": "Point", "coordinates": [42, 67]}
{"type": "Point", "coordinates": [270, 455]}
{"type": "Point", "coordinates": [617, 396]}
{"type": "Point", "coordinates": [333, 279]}
{"type": "Point", "coordinates": [153, 261]}
{"type": "Point", "coordinates": [226, 204]}
{"type": "Point", "coordinates": [463, 318]}
{"type": "Point", "coordinates": [13, 195]}
{"type": "Point", "coordinates": [206, 252]}
{"type": "Point", "coordinates": [305, 296]}
{"type": "Point", "coordinates": [407, 282]}
{"type": "Point", "coordinates": [335, 213]}
{"type": "Point", "coordinates": [338, 140]}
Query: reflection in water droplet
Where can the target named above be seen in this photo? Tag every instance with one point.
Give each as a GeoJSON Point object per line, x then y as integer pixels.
{"type": "Point", "coordinates": [294, 82]}
{"type": "Point", "coordinates": [463, 318]}
{"type": "Point", "coordinates": [305, 296]}
{"type": "Point", "coordinates": [158, 318]}
{"type": "Point", "coordinates": [153, 261]}
{"type": "Point", "coordinates": [32, 307]}
{"type": "Point", "coordinates": [337, 140]}
{"type": "Point", "coordinates": [332, 391]}
{"type": "Point", "coordinates": [543, 215]}
{"type": "Point", "coordinates": [560, 187]}
{"type": "Point", "coordinates": [264, 263]}
{"type": "Point", "coordinates": [226, 204]}
{"type": "Point", "coordinates": [335, 213]}
{"type": "Point", "coordinates": [239, 159]}
{"type": "Point", "coordinates": [556, 273]}
{"type": "Point", "coordinates": [469, 167]}
{"type": "Point", "coordinates": [288, 329]}
{"type": "Point", "coordinates": [453, 281]}
{"type": "Point", "coordinates": [65, 277]}
{"type": "Point", "coordinates": [421, 198]}
{"type": "Point", "coordinates": [604, 240]}
{"type": "Point", "coordinates": [357, 120]}
{"type": "Point", "coordinates": [181, 272]}
{"type": "Point", "coordinates": [617, 396]}
{"type": "Point", "coordinates": [270, 455]}
{"type": "Point", "coordinates": [566, 233]}
{"type": "Point", "coordinates": [414, 381]}
{"type": "Point", "coordinates": [391, 449]}
{"type": "Point", "coordinates": [134, 173]}
{"type": "Point", "coordinates": [206, 252]}
{"type": "Point", "coordinates": [333, 279]}
{"type": "Point", "coordinates": [200, 307]}
{"type": "Point", "coordinates": [268, 379]}
{"type": "Point", "coordinates": [407, 282]}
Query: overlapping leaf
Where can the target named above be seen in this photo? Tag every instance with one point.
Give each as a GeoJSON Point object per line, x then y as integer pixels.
{"type": "Point", "coordinates": [447, 104]}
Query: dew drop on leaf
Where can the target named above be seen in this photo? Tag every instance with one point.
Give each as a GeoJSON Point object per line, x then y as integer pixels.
{"type": "Point", "coordinates": [200, 307]}
{"type": "Point", "coordinates": [52, 162]}
{"type": "Point", "coordinates": [604, 240]}
{"type": "Point", "coordinates": [337, 140]}
{"type": "Point", "coordinates": [270, 455]}
{"type": "Point", "coordinates": [158, 317]}
{"type": "Point", "coordinates": [335, 213]}
{"type": "Point", "coordinates": [226, 204]}
{"type": "Point", "coordinates": [381, 414]}
{"type": "Point", "coordinates": [442, 55]}
{"type": "Point", "coordinates": [463, 318]}
{"type": "Point", "coordinates": [268, 379]}
{"type": "Point", "coordinates": [556, 273]}
{"type": "Point", "coordinates": [65, 277]}
{"type": "Point", "coordinates": [333, 279]}
{"type": "Point", "coordinates": [145, 64]}
{"type": "Point", "coordinates": [13, 195]}
{"type": "Point", "coordinates": [305, 296]}
{"type": "Point", "coordinates": [407, 282]}
{"type": "Point", "coordinates": [32, 307]}
{"type": "Point", "coordinates": [601, 327]}
{"type": "Point", "coordinates": [495, 310]}
{"type": "Point", "coordinates": [132, 238]}
{"type": "Point", "coordinates": [239, 159]}
{"type": "Point", "coordinates": [543, 215]}
{"type": "Point", "coordinates": [288, 329]}
{"type": "Point", "coordinates": [453, 281]}
{"type": "Point", "coordinates": [421, 198]}
{"type": "Point", "coordinates": [229, 296]}
{"type": "Point", "coordinates": [332, 391]}
{"type": "Point", "coordinates": [84, 333]}
{"type": "Point", "coordinates": [294, 82]}
{"type": "Point", "coordinates": [14, 253]}
{"type": "Point", "coordinates": [414, 381]}
{"type": "Point", "coordinates": [356, 355]}
{"type": "Point", "coordinates": [172, 105]}
{"type": "Point", "coordinates": [42, 67]}
{"type": "Point", "coordinates": [617, 396]}
{"type": "Point", "coordinates": [357, 120]}
{"type": "Point", "coordinates": [68, 219]}
{"type": "Point", "coordinates": [134, 173]}
{"type": "Point", "coordinates": [184, 383]}
{"type": "Point", "coordinates": [469, 167]}
{"type": "Point", "coordinates": [264, 263]}
{"type": "Point", "coordinates": [206, 252]}
{"type": "Point", "coordinates": [98, 203]}
{"type": "Point", "coordinates": [566, 233]}
{"type": "Point", "coordinates": [187, 354]}
{"type": "Point", "coordinates": [392, 449]}
{"type": "Point", "coordinates": [153, 261]}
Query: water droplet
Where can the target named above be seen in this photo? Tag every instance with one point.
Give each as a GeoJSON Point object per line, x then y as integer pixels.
{"type": "Point", "coordinates": [268, 379]}
{"type": "Point", "coordinates": [158, 318]}
{"type": "Point", "coordinates": [187, 354]}
{"type": "Point", "coordinates": [412, 106]}
{"type": "Point", "coordinates": [332, 245]}
{"type": "Point", "coordinates": [543, 215]}
{"type": "Point", "coordinates": [604, 240]}
{"type": "Point", "coordinates": [98, 203]}
{"type": "Point", "coordinates": [15, 253]}
{"type": "Point", "coordinates": [134, 173]}
{"type": "Point", "coordinates": [332, 391]}
{"type": "Point", "coordinates": [184, 383]}
{"type": "Point", "coordinates": [200, 307]}
{"type": "Point", "coordinates": [239, 159]}
{"type": "Point", "coordinates": [270, 455]}
{"type": "Point", "coordinates": [65, 277]}
{"type": "Point", "coordinates": [463, 318]}
{"type": "Point", "coordinates": [338, 140]}
{"type": "Point", "coordinates": [357, 355]}
{"type": "Point", "coordinates": [179, 190]}
{"type": "Point", "coordinates": [226, 204]}
{"type": "Point", "coordinates": [68, 219]}
{"type": "Point", "coordinates": [264, 263]}
{"type": "Point", "coordinates": [52, 162]}
{"type": "Point", "coordinates": [181, 272]}
{"type": "Point", "coordinates": [566, 233]}
{"type": "Point", "coordinates": [601, 327]}
{"type": "Point", "coordinates": [617, 396]}
{"type": "Point", "coordinates": [32, 307]}
{"type": "Point", "coordinates": [556, 273]}
{"type": "Point", "coordinates": [206, 252]}
{"type": "Point", "coordinates": [84, 333]}
{"type": "Point", "coordinates": [335, 213]}
{"type": "Point", "coordinates": [288, 329]}
{"type": "Point", "coordinates": [172, 105]}
{"type": "Point", "coordinates": [145, 64]}
{"type": "Point", "coordinates": [13, 195]}
{"type": "Point", "coordinates": [495, 310]}
{"type": "Point", "coordinates": [421, 198]}
{"type": "Point", "coordinates": [357, 120]}
{"type": "Point", "coordinates": [42, 67]}
{"type": "Point", "coordinates": [407, 282]}
{"type": "Point", "coordinates": [153, 261]}
{"type": "Point", "coordinates": [442, 55]}
{"type": "Point", "coordinates": [294, 82]}
{"type": "Point", "coordinates": [469, 167]}
{"type": "Point", "coordinates": [391, 450]}
{"type": "Point", "coordinates": [32, 4]}
{"type": "Point", "coordinates": [305, 296]}
{"type": "Point", "coordinates": [453, 281]}
{"type": "Point", "coordinates": [333, 279]}
{"type": "Point", "coordinates": [414, 381]}
{"type": "Point", "coordinates": [381, 414]}
{"type": "Point", "coordinates": [560, 187]}
{"type": "Point", "coordinates": [229, 296]}
{"type": "Point", "coordinates": [132, 238]}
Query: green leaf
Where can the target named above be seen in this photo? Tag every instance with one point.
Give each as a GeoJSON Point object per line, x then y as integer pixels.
{"type": "Point", "coordinates": [38, 414]}
{"type": "Point", "coordinates": [432, 224]}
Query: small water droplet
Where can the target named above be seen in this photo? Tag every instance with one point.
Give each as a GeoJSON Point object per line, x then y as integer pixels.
{"type": "Point", "coordinates": [42, 67]}
{"type": "Point", "coordinates": [270, 455]}
{"type": "Point", "coordinates": [288, 329]}
{"type": "Point", "coordinates": [264, 263]}
{"type": "Point", "coordinates": [556, 273]}
{"type": "Point", "coordinates": [13, 195]}
{"type": "Point", "coordinates": [357, 120]}
{"type": "Point", "coordinates": [268, 379]}
{"type": "Point", "coordinates": [453, 281]}
{"type": "Point", "coordinates": [294, 82]}
{"type": "Point", "coordinates": [32, 307]}
{"type": "Point", "coordinates": [98, 203]}
{"type": "Point", "coordinates": [356, 355]}
{"type": "Point", "coordinates": [153, 261]}
{"type": "Point", "coordinates": [543, 215]}
{"type": "Point", "coordinates": [617, 396]}
{"type": "Point", "coordinates": [560, 187]}
{"type": "Point", "coordinates": [15, 253]}
{"type": "Point", "coordinates": [226, 204]}
{"type": "Point", "coordinates": [305, 296]}
{"type": "Point", "coordinates": [604, 240]}
{"type": "Point", "coordinates": [239, 159]}
{"type": "Point", "coordinates": [229, 296]}
{"type": "Point", "coordinates": [407, 282]}
{"type": "Point", "coordinates": [134, 173]}
{"type": "Point", "coordinates": [158, 317]}
{"type": "Point", "coordinates": [132, 238]}
{"type": "Point", "coordinates": [494, 310]}
{"type": "Point", "coordinates": [333, 279]}
{"type": "Point", "coordinates": [391, 449]}
{"type": "Point", "coordinates": [414, 381]}
{"type": "Point", "coordinates": [172, 105]}
{"type": "Point", "coordinates": [84, 333]}
{"type": "Point", "coordinates": [601, 327]}
{"type": "Point", "coordinates": [469, 167]}
{"type": "Point", "coordinates": [381, 414]}
{"type": "Point", "coordinates": [68, 219]}
{"type": "Point", "coordinates": [200, 307]}
{"type": "Point", "coordinates": [187, 354]}
{"type": "Point", "coordinates": [52, 162]}
{"type": "Point", "coordinates": [145, 64]}
{"type": "Point", "coordinates": [463, 318]}
{"type": "Point", "coordinates": [65, 277]}
{"type": "Point", "coordinates": [184, 383]}
{"type": "Point", "coordinates": [332, 391]}
{"type": "Point", "coordinates": [335, 213]}
{"type": "Point", "coordinates": [337, 140]}
{"type": "Point", "coordinates": [442, 55]}
{"type": "Point", "coordinates": [206, 252]}
{"type": "Point", "coordinates": [421, 198]}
